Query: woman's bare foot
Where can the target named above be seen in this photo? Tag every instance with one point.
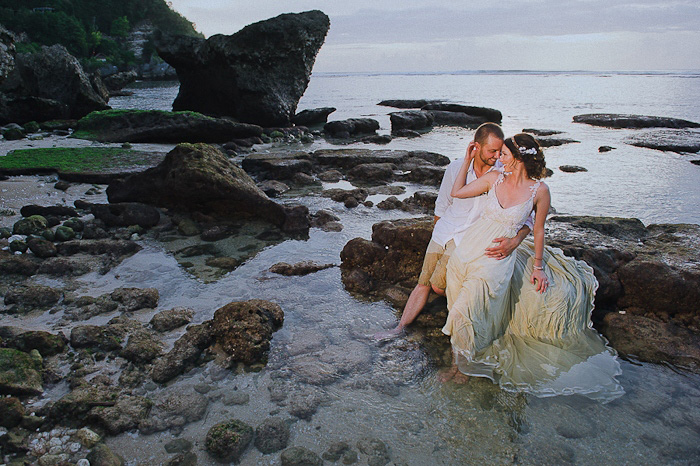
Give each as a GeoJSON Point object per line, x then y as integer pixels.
{"type": "Point", "coordinates": [452, 374]}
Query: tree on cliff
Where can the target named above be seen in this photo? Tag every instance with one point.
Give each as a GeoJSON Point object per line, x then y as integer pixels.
{"type": "Point", "coordinates": [87, 27]}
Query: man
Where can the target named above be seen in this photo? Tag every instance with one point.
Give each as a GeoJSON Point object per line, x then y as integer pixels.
{"type": "Point", "coordinates": [452, 218]}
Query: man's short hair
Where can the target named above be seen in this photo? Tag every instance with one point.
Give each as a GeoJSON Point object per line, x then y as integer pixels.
{"type": "Point", "coordinates": [488, 129]}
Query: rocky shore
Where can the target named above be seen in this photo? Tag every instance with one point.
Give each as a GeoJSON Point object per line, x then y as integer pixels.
{"type": "Point", "coordinates": [649, 278]}
{"type": "Point", "coordinates": [91, 359]}
{"type": "Point", "coordinates": [97, 340]}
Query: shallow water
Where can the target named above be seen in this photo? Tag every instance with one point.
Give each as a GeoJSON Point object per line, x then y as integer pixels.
{"type": "Point", "coordinates": [390, 391]}
{"type": "Point", "coordinates": [393, 394]}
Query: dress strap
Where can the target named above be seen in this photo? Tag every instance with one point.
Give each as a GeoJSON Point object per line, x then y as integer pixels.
{"type": "Point", "coordinates": [533, 189]}
{"type": "Point", "coordinates": [499, 180]}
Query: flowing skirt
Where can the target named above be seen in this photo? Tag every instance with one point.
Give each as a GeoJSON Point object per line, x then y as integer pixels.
{"type": "Point", "coordinates": [539, 343]}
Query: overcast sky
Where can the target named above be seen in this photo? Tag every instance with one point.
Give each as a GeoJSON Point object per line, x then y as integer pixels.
{"type": "Point", "coordinates": [452, 35]}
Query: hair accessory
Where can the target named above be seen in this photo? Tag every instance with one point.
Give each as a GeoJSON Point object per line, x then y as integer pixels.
{"type": "Point", "coordinates": [523, 150]}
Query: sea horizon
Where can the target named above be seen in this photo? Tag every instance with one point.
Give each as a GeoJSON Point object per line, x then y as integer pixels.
{"type": "Point", "coordinates": [688, 72]}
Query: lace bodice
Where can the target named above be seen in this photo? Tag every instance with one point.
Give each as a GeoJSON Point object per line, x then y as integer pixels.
{"type": "Point", "coordinates": [513, 217]}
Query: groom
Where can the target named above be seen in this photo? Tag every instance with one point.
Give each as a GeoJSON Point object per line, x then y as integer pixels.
{"type": "Point", "coordinates": [452, 218]}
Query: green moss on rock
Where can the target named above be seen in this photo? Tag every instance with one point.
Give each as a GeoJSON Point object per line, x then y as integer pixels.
{"type": "Point", "coordinates": [227, 441]}
{"type": "Point", "coordinates": [75, 160]}
{"type": "Point", "coordinates": [20, 372]}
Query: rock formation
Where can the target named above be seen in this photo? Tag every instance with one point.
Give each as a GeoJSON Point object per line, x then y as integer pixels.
{"type": "Point", "coordinates": [48, 85]}
{"type": "Point", "coordinates": [256, 75]}
{"type": "Point", "coordinates": [7, 53]}
{"type": "Point", "coordinates": [161, 127]}
{"type": "Point", "coordinates": [672, 140]}
{"type": "Point", "coordinates": [613, 120]}
{"type": "Point", "coordinates": [198, 177]}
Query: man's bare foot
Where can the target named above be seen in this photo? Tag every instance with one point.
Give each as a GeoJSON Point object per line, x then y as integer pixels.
{"type": "Point", "coordinates": [452, 374]}
{"type": "Point", "coordinates": [388, 334]}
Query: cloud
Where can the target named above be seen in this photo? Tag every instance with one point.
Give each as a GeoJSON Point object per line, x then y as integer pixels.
{"type": "Point", "coordinates": [421, 35]}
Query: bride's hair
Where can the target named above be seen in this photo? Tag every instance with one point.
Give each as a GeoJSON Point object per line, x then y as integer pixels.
{"type": "Point", "coordinates": [525, 148]}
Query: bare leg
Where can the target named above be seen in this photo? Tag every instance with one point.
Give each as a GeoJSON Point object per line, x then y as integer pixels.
{"type": "Point", "coordinates": [416, 302]}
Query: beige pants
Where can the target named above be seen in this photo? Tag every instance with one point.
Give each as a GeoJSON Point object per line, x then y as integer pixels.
{"type": "Point", "coordinates": [434, 270]}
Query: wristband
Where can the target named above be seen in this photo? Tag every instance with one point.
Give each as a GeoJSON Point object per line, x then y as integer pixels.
{"type": "Point", "coordinates": [538, 267]}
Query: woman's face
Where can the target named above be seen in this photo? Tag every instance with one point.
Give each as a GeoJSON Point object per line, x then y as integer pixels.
{"type": "Point", "coordinates": [507, 158]}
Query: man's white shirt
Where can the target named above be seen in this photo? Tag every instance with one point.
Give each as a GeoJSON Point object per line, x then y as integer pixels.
{"type": "Point", "coordinates": [457, 215]}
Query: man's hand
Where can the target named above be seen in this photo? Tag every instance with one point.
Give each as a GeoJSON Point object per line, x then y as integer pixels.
{"type": "Point", "coordinates": [504, 246]}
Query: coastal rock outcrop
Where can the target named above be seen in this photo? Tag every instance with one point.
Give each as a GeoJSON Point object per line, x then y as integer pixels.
{"type": "Point", "coordinates": [351, 127]}
{"type": "Point", "coordinates": [407, 103]}
{"type": "Point", "coordinates": [161, 127]}
{"type": "Point", "coordinates": [614, 120]}
{"type": "Point", "coordinates": [313, 116]}
{"type": "Point", "coordinates": [363, 165]}
{"type": "Point", "coordinates": [636, 266]}
{"type": "Point", "coordinates": [483, 113]}
{"type": "Point", "coordinates": [239, 332]}
{"type": "Point", "coordinates": [48, 85]}
{"type": "Point", "coordinates": [410, 119]}
{"type": "Point", "coordinates": [671, 140]}
{"type": "Point", "coordinates": [256, 75]}
{"type": "Point", "coordinates": [198, 177]}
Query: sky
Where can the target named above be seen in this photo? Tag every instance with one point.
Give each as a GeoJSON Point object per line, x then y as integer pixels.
{"type": "Point", "coordinates": [455, 35]}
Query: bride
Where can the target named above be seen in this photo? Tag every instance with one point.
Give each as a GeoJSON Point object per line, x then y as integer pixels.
{"type": "Point", "coordinates": [524, 320]}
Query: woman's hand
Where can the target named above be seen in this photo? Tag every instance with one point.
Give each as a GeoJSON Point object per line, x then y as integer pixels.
{"type": "Point", "coordinates": [469, 155]}
{"type": "Point", "coordinates": [540, 280]}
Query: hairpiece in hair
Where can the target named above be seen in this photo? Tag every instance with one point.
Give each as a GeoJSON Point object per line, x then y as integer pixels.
{"type": "Point", "coordinates": [523, 150]}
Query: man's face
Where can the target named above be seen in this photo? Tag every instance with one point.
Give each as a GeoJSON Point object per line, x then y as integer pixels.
{"type": "Point", "coordinates": [490, 150]}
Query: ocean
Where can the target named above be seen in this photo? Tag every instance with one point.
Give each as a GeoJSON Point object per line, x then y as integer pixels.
{"type": "Point", "coordinates": [654, 186]}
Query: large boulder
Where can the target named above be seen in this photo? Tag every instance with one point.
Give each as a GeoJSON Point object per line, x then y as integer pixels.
{"type": "Point", "coordinates": [161, 127]}
{"type": "Point", "coordinates": [411, 119]}
{"type": "Point", "coordinates": [256, 75]}
{"type": "Point", "coordinates": [198, 177]}
{"type": "Point", "coordinates": [631, 335]}
{"type": "Point", "coordinates": [613, 120]}
{"type": "Point", "coordinates": [351, 127]}
{"type": "Point", "coordinates": [244, 329]}
{"type": "Point", "coordinates": [277, 166]}
{"type": "Point", "coordinates": [313, 116]}
{"type": "Point", "coordinates": [20, 372]}
{"type": "Point", "coordinates": [49, 84]}
{"type": "Point", "coordinates": [117, 81]}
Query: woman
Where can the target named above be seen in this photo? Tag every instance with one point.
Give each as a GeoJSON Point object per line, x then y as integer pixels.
{"type": "Point", "coordinates": [524, 321]}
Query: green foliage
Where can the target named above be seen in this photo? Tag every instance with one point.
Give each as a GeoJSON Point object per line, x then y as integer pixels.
{"type": "Point", "coordinates": [120, 27]}
{"type": "Point", "coordinates": [81, 25]}
{"type": "Point", "coordinates": [77, 159]}
{"type": "Point", "coordinates": [27, 47]}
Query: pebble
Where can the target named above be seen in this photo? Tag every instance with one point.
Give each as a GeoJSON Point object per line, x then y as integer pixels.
{"type": "Point", "coordinates": [74, 447]}
{"type": "Point", "coordinates": [83, 462]}
{"type": "Point", "coordinates": [57, 450]}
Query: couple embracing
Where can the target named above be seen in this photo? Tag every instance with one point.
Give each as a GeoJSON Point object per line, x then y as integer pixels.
{"type": "Point", "coordinates": [519, 312]}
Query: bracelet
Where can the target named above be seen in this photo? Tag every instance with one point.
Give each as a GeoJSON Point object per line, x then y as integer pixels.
{"type": "Point", "coordinates": [538, 267]}
{"type": "Point", "coordinates": [538, 258]}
